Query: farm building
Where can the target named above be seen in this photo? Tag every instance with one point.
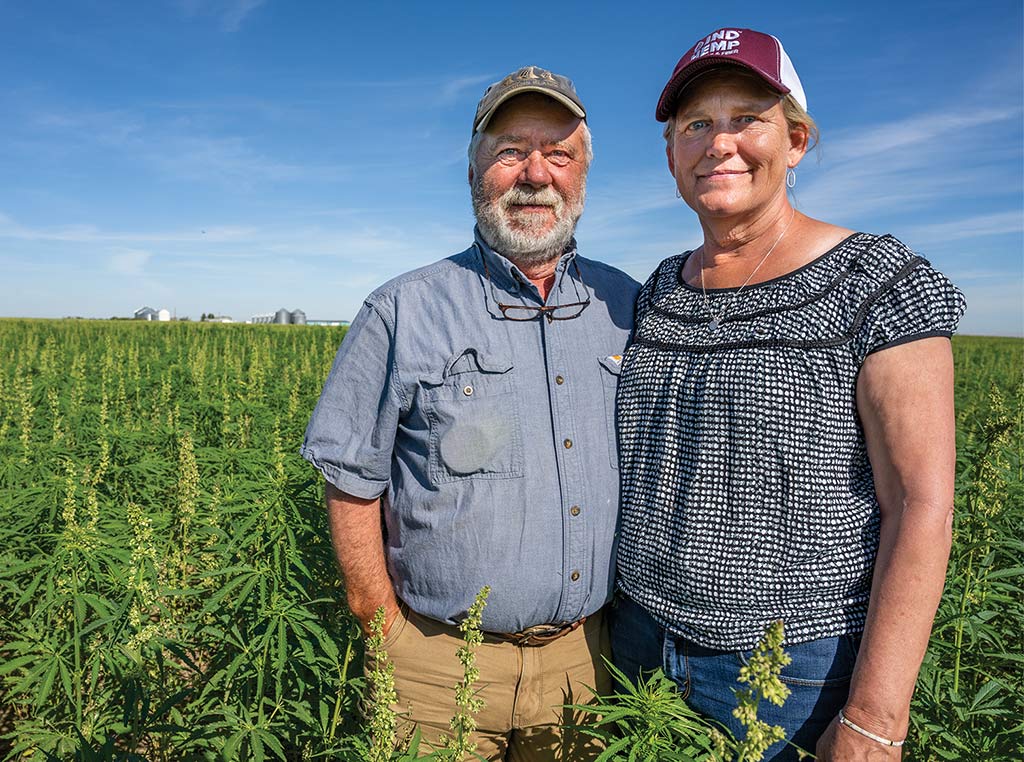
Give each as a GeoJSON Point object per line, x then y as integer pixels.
{"type": "Point", "coordinates": [281, 317]}
{"type": "Point", "coordinates": [148, 313]}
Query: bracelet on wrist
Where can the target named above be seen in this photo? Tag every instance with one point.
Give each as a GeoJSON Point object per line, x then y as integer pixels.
{"type": "Point", "coordinates": [843, 720]}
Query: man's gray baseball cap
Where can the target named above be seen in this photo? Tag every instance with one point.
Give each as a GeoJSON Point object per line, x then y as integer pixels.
{"type": "Point", "coordinates": [529, 79]}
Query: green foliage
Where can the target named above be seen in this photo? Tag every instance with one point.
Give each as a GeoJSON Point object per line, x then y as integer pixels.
{"type": "Point", "coordinates": [761, 673]}
{"type": "Point", "coordinates": [648, 720]}
{"type": "Point", "coordinates": [463, 724]}
{"type": "Point", "coordinates": [167, 586]}
{"type": "Point", "coordinates": [168, 590]}
{"type": "Point", "coordinates": [968, 703]}
{"type": "Point", "coordinates": [380, 719]}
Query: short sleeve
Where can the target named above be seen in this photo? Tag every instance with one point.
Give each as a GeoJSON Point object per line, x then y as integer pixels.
{"type": "Point", "coordinates": [351, 433]}
{"type": "Point", "coordinates": [919, 304]}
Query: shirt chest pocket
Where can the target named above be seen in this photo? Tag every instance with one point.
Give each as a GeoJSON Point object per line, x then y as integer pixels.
{"type": "Point", "coordinates": [473, 413]}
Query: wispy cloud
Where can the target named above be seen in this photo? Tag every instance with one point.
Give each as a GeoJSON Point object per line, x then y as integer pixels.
{"type": "Point", "coordinates": [230, 13]}
{"type": "Point", "coordinates": [907, 164]}
{"type": "Point", "coordinates": [977, 226]}
{"type": "Point", "coordinates": [890, 138]}
{"type": "Point", "coordinates": [235, 12]}
{"type": "Point", "coordinates": [453, 89]}
{"type": "Point", "coordinates": [10, 229]}
{"type": "Point", "coordinates": [129, 261]}
{"type": "Point", "coordinates": [178, 149]}
{"type": "Point", "coordinates": [354, 242]}
{"type": "Point", "coordinates": [230, 161]}
{"type": "Point", "coordinates": [114, 126]}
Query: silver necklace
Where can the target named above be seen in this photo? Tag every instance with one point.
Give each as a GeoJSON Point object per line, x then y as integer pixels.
{"type": "Point", "coordinates": [718, 317]}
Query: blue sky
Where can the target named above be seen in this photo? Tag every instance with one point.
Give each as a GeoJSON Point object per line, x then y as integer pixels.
{"type": "Point", "coordinates": [238, 156]}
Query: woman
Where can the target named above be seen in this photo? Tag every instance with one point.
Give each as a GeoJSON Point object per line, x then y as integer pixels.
{"type": "Point", "coordinates": [786, 429]}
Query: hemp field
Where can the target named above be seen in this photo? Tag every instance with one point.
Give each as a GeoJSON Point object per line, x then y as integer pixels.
{"type": "Point", "coordinates": [167, 589]}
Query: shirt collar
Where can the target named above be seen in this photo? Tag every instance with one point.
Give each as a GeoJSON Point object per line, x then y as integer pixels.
{"type": "Point", "coordinates": [506, 274]}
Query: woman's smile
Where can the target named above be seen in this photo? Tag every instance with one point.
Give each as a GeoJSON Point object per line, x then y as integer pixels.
{"type": "Point", "coordinates": [723, 175]}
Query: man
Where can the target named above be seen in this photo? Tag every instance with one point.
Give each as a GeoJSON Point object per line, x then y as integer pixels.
{"type": "Point", "coordinates": [472, 404]}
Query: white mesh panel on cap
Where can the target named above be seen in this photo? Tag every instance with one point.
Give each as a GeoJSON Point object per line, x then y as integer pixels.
{"type": "Point", "coordinates": [788, 76]}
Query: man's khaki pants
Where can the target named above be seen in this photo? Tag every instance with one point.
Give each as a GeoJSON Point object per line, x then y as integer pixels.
{"type": "Point", "coordinates": [524, 688]}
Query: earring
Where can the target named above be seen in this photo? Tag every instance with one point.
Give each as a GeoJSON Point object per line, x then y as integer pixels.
{"type": "Point", "coordinates": [678, 194]}
{"type": "Point", "coordinates": [790, 178]}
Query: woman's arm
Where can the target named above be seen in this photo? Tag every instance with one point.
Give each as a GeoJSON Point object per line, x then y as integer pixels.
{"type": "Point", "coordinates": [905, 402]}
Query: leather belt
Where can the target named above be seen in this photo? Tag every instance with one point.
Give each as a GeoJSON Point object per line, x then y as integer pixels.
{"type": "Point", "coordinates": [539, 634]}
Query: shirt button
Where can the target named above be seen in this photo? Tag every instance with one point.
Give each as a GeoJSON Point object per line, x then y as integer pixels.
{"type": "Point", "coordinates": [567, 443]}
{"type": "Point", "coordinates": [575, 576]}
{"type": "Point", "coordinates": [575, 510]}
{"type": "Point", "coordinates": [559, 380]}
{"type": "Point", "coordinates": [468, 391]}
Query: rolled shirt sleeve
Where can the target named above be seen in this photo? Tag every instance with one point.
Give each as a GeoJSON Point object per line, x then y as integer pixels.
{"type": "Point", "coordinates": [351, 433]}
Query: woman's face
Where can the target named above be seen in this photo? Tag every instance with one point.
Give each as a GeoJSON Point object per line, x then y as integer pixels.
{"type": "Point", "coordinates": [732, 146]}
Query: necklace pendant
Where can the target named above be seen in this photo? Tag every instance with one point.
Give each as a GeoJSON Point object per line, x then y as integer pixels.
{"type": "Point", "coordinates": [713, 325]}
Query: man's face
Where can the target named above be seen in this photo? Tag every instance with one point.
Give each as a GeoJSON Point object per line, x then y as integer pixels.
{"type": "Point", "coordinates": [529, 179]}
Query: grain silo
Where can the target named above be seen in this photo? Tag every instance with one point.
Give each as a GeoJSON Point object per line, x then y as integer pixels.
{"type": "Point", "coordinates": [298, 317]}
{"type": "Point", "coordinates": [282, 317]}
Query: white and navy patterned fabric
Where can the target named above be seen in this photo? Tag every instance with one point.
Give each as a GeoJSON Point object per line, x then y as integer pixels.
{"type": "Point", "coordinates": [747, 494]}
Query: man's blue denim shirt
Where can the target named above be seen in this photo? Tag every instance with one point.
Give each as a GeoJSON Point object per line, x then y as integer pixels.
{"type": "Point", "coordinates": [492, 442]}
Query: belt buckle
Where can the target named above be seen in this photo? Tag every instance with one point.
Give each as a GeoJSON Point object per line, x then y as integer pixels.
{"type": "Point", "coordinates": [538, 632]}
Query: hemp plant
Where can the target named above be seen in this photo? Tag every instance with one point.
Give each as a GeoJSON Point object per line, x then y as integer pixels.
{"type": "Point", "coordinates": [384, 744]}
{"type": "Point", "coordinates": [469, 704]}
{"type": "Point", "coordinates": [647, 720]}
{"type": "Point", "coordinates": [761, 673]}
{"type": "Point", "coordinates": [380, 717]}
{"type": "Point", "coordinates": [968, 703]}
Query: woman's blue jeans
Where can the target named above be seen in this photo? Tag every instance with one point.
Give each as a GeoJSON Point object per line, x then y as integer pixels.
{"type": "Point", "coordinates": [818, 677]}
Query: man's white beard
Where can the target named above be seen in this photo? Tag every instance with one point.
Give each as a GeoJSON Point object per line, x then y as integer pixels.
{"type": "Point", "coordinates": [525, 244]}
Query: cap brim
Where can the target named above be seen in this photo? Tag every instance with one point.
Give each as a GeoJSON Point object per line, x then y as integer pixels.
{"type": "Point", "coordinates": [573, 107]}
{"type": "Point", "coordinates": [670, 95]}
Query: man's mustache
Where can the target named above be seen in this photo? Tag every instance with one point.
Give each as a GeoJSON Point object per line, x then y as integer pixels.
{"type": "Point", "coordinates": [521, 196]}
